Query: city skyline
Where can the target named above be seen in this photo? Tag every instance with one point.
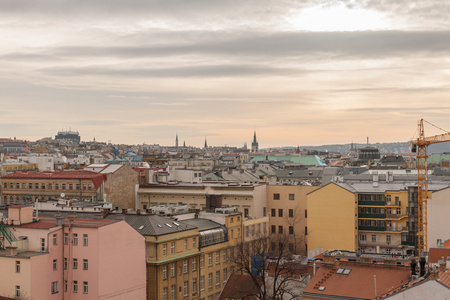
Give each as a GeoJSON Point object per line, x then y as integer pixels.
{"type": "Point", "coordinates": [297, 73]}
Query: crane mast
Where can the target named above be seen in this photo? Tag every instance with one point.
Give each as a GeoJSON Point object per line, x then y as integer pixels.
{"type": "Point", "coordinates": [422, 185]}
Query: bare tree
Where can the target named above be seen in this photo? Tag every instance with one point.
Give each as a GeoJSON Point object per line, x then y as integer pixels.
{"type": "Point", "coordinates": [274, 270]}
{"type": "Point", "coordinates": [296, 238]}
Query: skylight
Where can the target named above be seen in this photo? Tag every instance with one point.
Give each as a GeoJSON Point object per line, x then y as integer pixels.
{"type": "Point", "coordinates": [340, 270]}
{"type": "Point", "coordinates": [321, 288]}
{"type": "Point", "coordinates": [168, 225]}
{"type": "Point", "coordinates": [347, 271]}
{"type": "Point", "coordinates": [141, 227]}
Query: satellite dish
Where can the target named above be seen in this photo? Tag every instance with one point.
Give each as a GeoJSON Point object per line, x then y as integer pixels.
{"type": "Point", "coordinates": [62, 195]}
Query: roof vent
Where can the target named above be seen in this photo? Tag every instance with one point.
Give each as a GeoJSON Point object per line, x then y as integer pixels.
{"type": "Point", "coordinates": [159, 225]}
{"type": "Point", "coordinates": [168, 225]}
{"type": "Point", "coordinates": [141, 227]}
{"type": "Point", "coordinates": [322, 288]}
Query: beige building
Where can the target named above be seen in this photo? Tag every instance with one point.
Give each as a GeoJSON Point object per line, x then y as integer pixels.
{"type": "Point", "coordinates": [286, 206]}
{"type": "Point", "coordinates": [249, 199]}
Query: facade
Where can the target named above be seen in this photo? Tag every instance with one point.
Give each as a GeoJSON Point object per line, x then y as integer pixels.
{"type": "Point", "coordinates": [68, 136]}
{"type": "Point", "coordinates": [249, 199]}
{"type": "Point", "coordinates": [332, 219]}
{"type": "Point", "coordinates": [22, 187]}
{"type": "Point", "coordinates": [57, 258]}
{"type": "Point", "coordinates": [287, 208]}
{"type": "Point", "coordinates": [438, 221]}
{"type": "Point", "coordinates": [11, 167]}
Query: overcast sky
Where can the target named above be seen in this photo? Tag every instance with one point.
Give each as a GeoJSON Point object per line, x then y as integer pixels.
{"type": "Point", "coordinates": [298, 72]}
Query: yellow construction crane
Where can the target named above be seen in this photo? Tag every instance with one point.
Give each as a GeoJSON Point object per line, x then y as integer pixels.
{"type": "Point", "coordinates": [420, 146]}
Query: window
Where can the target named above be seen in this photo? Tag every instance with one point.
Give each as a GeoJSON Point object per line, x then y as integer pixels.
{"type": "Point", "coordinates": [70, 186]}
{"type": "Point", "coordinates": [56, 186]}
{"type": "Point", "coordinates": [280, 229]}
{"type": "Point", "coordinates": [194, 285]}
{"type": "Point", "coordinates": [217, 257]}
{"type": "Point", "coordinates": [85, 287]}
{"type": "Point", "coordinates": [231, 220]}
{"type": "Point", "coordinates": [75, 239]}
{"type": "Point", "coordinates": [164, 272]}
{"type": "Point", "coordinates": [55, 239]}
{"type": "Point", "coordinates": [50, 186]}
{"type": "Point", "coordinates": [164, 249]}
{"type": "Point", "coordinates": [224, 276]}
{"type": "Point", "coordinates": [185, 245]}
{"type": "Point", "coordinates": [185, 266]}
{"type": "Point", "coordinates": [75, 286]}
{"type": "Point", "coordinates": [245, 212]}
{"type": "Point", "coordinates": [362, 237]}
{"type": "Point", "coordinates": [273, 212]}
{"type": "Point", "coordinates": [231, 234]}
{"type": "Point", "coordinates": [291, 213]}
{"type": "Point", "coordinates": [63, 186]}
{"type": "Point", "coordinates": [172, 292]}
{"type": "Point", "coordinates": [280, 212]}
{"type": "Point", "coordinates": [55, 264]}
{"type": "Point", "coordinates": [75, 263]}
{"type": "Point", "coordinates": [246, 231]}
{"type": "Point", "coordinates": [217, 277]}
{"type": "Point", "coordinates": [210, 283]}
{"type": "Point", "coordinates": [185, 288]}
{"type": "Point", "coordinates": [276, 196]}
{"type": "Point", "coordinates": [194, 243]}
{"type": "Point", "coordinates": [238, 233]}
{"type": "Point", "coordinates": [172, 248]}
{"type": "Point", "coordinates": [388, 238]}
{"type": "Point", "coordinates": [194, 263]}
{"type": "Point", "coordinates": [66, 239]}
{"type": "Point", "coordinates": [65, 263]}
{"type": "Point", "coordinates": [210, 259]}
{"type": "Point", "coordinates": [54, 287]}
{"type": "Point", "coordinates": [165, 293]}
{"type": "Point", "coordinates": [224, 255]}
{"type": "Point", "coordinates": [172, 270]}
{"type": "Point", "coordinates": [65, 285]}
{"type": "Point", "coordinates": [202, 283]}
{"type": "Point", "coordinates": [291, 196]}
{"type": "Point", "coordinates": [202, 261]}
{"type": "Point", "coordinates": [274, 229]}
{"type": "Point", "coordinates": [85, 239]}
{"type": "Point", "coordinates": [17, 266]}
{"type": "Point", "coordinates": [291, 229]}
{"type": "Point", "coordinates": [306, 213]}
{"type": "Point", "coordinates": [374, 237]}
{"type": "Point", "coordinates": [18, 291]}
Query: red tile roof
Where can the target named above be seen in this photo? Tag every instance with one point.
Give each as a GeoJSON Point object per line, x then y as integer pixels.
{"type": "Point", "coordinates": [444, 277]}
{"type": "Point", "coordinates": [97, 179]}
{"type": "Point", "coordinates": [238, 286]}
{"type": "Point", "coordinates": [436, 254]}
{"type": "Point", "coordinates": [359, 283]}
{"type": "Point", "coordinates": [49, 222]}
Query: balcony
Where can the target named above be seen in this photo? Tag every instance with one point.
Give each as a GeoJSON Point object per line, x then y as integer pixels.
{"type": "Point", "coordinates": [408, 243]}
{"type": "Point", "coordinates": [379, 243]}
{"type": "Point", "coordinates": [372, 228]}
{"type": "Point", "coordinates": [395, 216]}
{"type": "Point", "coordinates": [395, 203]}
{"type": "Point", "coordinates": [372, 202]}
{"type": "Point", "coordinates": [371, 216]}
{"type": "Point", "coordinates": [396, 228]}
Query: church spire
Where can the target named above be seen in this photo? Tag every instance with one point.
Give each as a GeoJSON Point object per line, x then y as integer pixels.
{"type": "Point", "coordinates": [255, 146]}
{"type": "Point", "coordinates": [206, 144]}
{"type": "Point", "coordinates": [176, 141]}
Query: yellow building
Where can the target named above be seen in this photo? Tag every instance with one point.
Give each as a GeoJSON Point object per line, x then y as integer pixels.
{"type": "Point", "coordinates": [18, 167]}
{"type": "Point", "coordinates": [369, 216]}
{"type": "Point", "coordinates": [286, 206]}
{"type": "Point", "coordinates": [332, 221]}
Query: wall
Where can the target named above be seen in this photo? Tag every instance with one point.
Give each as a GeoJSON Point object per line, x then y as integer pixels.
{"type": "Point", "coordinates": [438, 220]}
{"type": "Point", "coordinates": [332, 219]}
{"type": "Point", "coordinates": [120, 187]}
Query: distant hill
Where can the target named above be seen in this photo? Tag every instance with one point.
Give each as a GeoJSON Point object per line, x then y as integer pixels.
{"type": "Point", "coordinates": [385, 148]}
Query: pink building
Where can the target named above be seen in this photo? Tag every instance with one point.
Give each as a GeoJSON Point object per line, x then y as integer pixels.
{"type": "Point", "coordinates": [56, 258]}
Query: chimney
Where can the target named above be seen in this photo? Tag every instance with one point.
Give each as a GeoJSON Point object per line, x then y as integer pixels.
{"type": "Point", "coordinates": [11, 250]}
{"type": "Point", "coordinates": [59, 220]}
{"type": "Point", "coordinates": [422, 266]}
{"type": "Point", "coordinates": [197, 212]}
{"type": "Point", "coordinates": [138, 211]}
{"type": "Point", "coordinates": [413, 267]}
{"type": "Point", "coordinates": [366, 259]}
{"type": "Point", "coordinates": [150, 211]}
{"type": "Point", "coordinates": [328, 259]}
{"type": "Point", "coordinates": [105, 213]}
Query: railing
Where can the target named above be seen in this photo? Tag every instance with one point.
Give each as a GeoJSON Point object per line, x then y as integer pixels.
{"type": "Point", "coordinates": [372, 228]}
{"type": "Point", "coordinates": [398, 203]}
{"type": "Point", "coordinates": [371, 215]}
{"type": "Point", "coordinates": [4, 230]}
{"type": "Point", "coordinates": [372, 202]}
{"type": "Point", "coordinates": [379, 243]}
{"type": "Point", "coordinates": [395, 216]}
{"type": "Point", "coordinates": [396, 228]}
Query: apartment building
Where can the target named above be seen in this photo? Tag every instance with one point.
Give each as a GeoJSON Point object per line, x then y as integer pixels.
{"type": "Point", "coordinates": [370, 216]}
{"type": "Point", "coordinates": [248, 199]}
{"type": "Point", "coordinates": [286, 206]}
{"type": "Point", "coordinates": [70, 258]}
{"type": "Point", "coordinates": [22, 187]}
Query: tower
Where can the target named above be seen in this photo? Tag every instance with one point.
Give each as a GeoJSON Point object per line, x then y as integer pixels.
{"type": "Point", "coordinates": [176, 141]}
{"type": "Point", "coordinates": [254, 143]}
{"type": "Point", "coordinates": [206, 144]}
